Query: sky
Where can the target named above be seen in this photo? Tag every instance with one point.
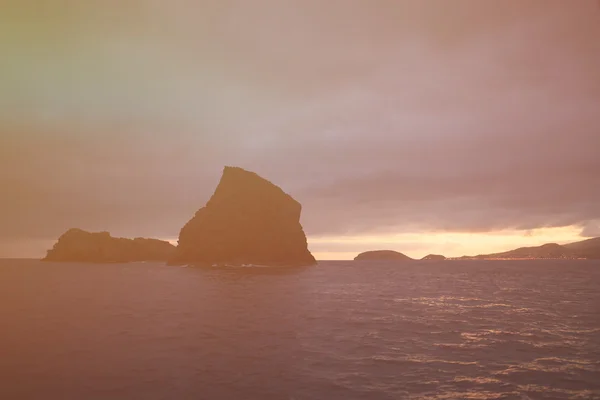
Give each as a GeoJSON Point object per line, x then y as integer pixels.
{"type": "Point", "coordinates": [426, 126]}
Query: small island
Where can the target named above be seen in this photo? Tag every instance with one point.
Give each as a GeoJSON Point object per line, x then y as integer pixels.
{"type": "Point", "coordinates": [77, 245]}
{"type": "Point", "coordinates": [382, 255]}
{"type": "Point", "coordinates": [247, 221]}
{"type": "Point", "coordinates": [434, 257]}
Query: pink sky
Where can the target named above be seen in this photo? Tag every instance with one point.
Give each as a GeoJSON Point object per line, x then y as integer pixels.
{"type": "Point", "coordinates": [458, 127]}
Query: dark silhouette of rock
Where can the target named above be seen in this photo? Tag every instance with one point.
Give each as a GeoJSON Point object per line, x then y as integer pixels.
{"type": "Point", "coordinates": [376, 255]}
{"type": "Point", "coordinates": [77, 245]}
{"type": "Point", "coordinates": [248, 220]}
{"type": "Point", "coordinates": [434, 257]}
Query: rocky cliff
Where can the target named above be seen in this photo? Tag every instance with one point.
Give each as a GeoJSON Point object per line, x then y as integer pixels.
{"type": "Point", "coordinates": [248, 220]}
{"type": "Point", "coordinates": [77, 245]}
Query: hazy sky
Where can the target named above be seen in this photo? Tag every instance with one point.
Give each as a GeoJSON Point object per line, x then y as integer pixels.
{"type": "Point", "coordinates": [457, 127]}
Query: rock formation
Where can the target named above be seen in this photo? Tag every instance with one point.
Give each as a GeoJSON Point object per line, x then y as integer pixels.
{"type": "Point", "coordinates": [248, 220]}
{"type": "Point", "coordinates": [376, 255]}
{"type": "Point", "coordinates": [77, 245]}
{"type": "Point", "coordinates": [434, 257]}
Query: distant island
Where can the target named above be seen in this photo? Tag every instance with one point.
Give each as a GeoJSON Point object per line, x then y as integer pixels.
{"type": "Point", "coordinates": [434, 257]}
{"type": "Point", "coordinates": [77, 245]}
{"type": "Point", "coordinates": [247, 221]}
{"type": "Point", "coordinates": [585, 249]}
{"type": "Point", "coordinates": [381, 255]}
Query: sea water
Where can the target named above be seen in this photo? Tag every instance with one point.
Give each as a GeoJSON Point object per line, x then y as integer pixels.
{"type": "Point", "coordinates": [341, 330]}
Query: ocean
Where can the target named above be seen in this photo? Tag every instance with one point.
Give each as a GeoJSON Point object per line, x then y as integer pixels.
{"type": "Point", "coordinates": [341, 330]}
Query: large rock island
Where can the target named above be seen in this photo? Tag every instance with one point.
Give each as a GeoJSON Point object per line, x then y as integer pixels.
{"type": "Point", "coordinates": [382, 255]}
{"type": "Point", "coordinates": [248, 220]}
{"type": "Point", "coordinates": [77, 245]}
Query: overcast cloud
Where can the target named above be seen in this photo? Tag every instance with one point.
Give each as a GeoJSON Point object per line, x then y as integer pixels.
{"type": "Point", "coordinates": [378, 116]}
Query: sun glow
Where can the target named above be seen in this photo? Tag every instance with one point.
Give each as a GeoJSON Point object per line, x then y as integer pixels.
{"type": "Point", "coordinates": [450, 244]}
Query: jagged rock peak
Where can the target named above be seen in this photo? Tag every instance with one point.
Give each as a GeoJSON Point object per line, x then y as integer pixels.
{"type": "Point", "coordinates": [248, 220]}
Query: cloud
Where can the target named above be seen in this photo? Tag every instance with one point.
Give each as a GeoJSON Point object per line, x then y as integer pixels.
{"type": "Point", "coordinates": [379, 117]}
{"type": "Point", "coordinates": [591, 229]}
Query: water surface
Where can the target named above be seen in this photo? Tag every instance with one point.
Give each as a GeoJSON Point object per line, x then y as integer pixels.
{"type": "Point", "coordinates": [342, 330]}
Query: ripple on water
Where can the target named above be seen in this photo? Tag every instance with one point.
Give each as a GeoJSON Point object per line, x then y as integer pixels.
{"type": "Point", "coordinates": [341, 331]}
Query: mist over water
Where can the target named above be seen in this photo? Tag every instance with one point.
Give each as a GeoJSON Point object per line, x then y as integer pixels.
{"type": "Point", "coordinates": [342, 330]}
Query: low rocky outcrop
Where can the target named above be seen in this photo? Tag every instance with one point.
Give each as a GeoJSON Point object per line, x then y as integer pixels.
{"type": "Point", "coordinates": [77, 245]}
{"type": "Point", "coordinates": [434, 257]}
{"type": "Point", "coordinates": [381, 255]}
{"type": "Point", "coordinates": [248, 220]}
